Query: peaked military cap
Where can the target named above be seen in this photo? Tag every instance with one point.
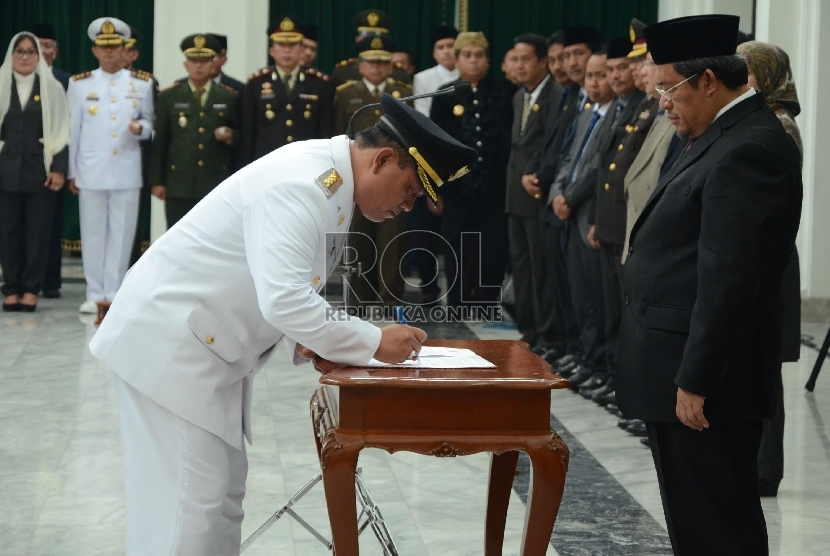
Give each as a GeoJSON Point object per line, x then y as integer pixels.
{"type": "Point", "coordinates": [440, 33]}
{"type": "Point", "coordinates": [438, 158]}
{"type": "Point", "coordinates": [108, 31]}
{"type": "Point", "coordinates": [199, 46]}
{"type": "Point", "coordinates": [638, 38]}
{"type": "Point", "coordinates": [132, 42]}
{"type": "Point", "coordinates": [222, 40]}
{"type": "Point", "coordinates": [372, 22]}
{"type": "Point", "coordinates": [286, 30]}
{"type": "Point", "coordinates": [619, 47]}
{"type": "Point", "coordinates": [43, 31]}
{"type": "Point", "coordinates": [688, 38]}
{"type": "Point", "coordinates": [582, 34]}
{"type": "Point", "coordinates": [376, 48]}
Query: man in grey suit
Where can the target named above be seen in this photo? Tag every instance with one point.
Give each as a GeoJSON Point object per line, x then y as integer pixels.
{"type": "Point", "coordinates": [572, 197]}
{"type": "Point", "coordinates": [539, 96]}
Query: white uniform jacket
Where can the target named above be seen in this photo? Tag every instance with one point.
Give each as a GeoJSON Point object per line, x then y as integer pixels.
{"type": "Point", "coordinates": [428, 81]}
{"type": "Point", "coordinates": [203, 309]}
{"type": "Point", "coordinates": [103, 153]}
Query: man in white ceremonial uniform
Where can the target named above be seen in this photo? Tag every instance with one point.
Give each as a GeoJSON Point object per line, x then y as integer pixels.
{"type": "Point", "coordinates": [429, 80]}
{"type": "Point", "coordinates": [110, 111]}
{"type": "Point", "coordinates": [204, 308]}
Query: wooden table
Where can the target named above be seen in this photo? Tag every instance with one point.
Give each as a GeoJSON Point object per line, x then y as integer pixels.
{"type": "Point", "coordinates": [447, 413]}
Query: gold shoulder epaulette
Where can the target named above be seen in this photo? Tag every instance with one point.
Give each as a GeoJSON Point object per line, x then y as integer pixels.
{"type": "Point", "coordinates": [143, 75]}
{"type": "Point", "coordinates": [403, 84]}
{"type": "Point", "coordinates": [175, 85]}
{"type": "Point", "coordinates": [79, 76]}
{"type": "Point", "coordinates": [227, 88]}
{"type": "Point", "coordinates": [346, 63]}
{"type": "Point", "coordinates": [346, 85]}
{"type": "Point", "coordinates": [258, 73]}
{"type": "Point", "coordinates": [317, 73]}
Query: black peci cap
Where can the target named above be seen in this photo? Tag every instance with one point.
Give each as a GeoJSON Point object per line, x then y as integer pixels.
{"type": "Point", "coordinates": [438, 157]}
{"type": "Point", "coordinates": [221, 40]}
{"type": "Point", "coordinates": [309, 31]}
{"type": "Point", "coordinates": [688, 38]}
{"type": "Point", "coordinates": [43, 31]}
{"type": "Point", "coordinates": [582, 34]}
{"type": "Point", "coordinates": [619, 47]}
{"type": "Point", "coordinates": [440, 33]}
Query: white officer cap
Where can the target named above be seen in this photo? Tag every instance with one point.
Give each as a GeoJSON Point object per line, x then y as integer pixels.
{"type": "Point", "coordinates": [108, 31]}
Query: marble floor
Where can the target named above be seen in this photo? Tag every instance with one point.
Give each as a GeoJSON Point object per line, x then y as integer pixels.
{"type": "Point", "coordinates": [61, 489]}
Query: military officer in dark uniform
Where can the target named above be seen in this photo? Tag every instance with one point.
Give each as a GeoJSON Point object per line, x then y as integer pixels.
{"type": "Point", "coordinates": [196, 132]}
{"type": "Point", "coordinates": [381, 281]}
{"type": "Point", "coordinates": [369, 23]}
{"type": "Point", "coordinates": [475, 203]}
{"type": "Point", "coordinates": [284, 103]}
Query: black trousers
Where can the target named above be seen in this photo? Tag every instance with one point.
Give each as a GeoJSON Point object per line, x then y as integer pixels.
{"type": "Point", "coordinates": [561, 326]}
{"type": "Point", "coordinates": [771, 451]}
{"type": "Point", "coordinates": [585, 274]}
{"type": "Point", "coordinates": [476, 255]}
{"type": "Point", "coordinates": [424, 244]}
{"type": "Point", "coordinates": [52, 280]}
{"type": "Point", "coordinates": [175, 208]}
{"type": "Point", "coordinates": [534, 296]}
{"type": "Point", "coordinates": [25, 230]}
{"type": "Point", "coordinates": [709, 487]}
{"type": "Point", "coordinates": [611, 266]}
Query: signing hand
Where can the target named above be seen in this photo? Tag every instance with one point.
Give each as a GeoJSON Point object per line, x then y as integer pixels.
{"type": "Point", "coordinates": [54, 181]}
{"type": "Point", "coordinates": [159, 191]}
{"type": "Point", "coordinates": [690, 410]}
{"type": "Point", "coordinates": [398, 341]}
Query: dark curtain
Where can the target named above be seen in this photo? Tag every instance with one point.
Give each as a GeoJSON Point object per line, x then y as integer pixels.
{"type": "Point", "coordinates": [501, 20]}
{"type": "Point", "coordinates": [71, 18]}
{"type": "Point", "coordinates": [412, 23]}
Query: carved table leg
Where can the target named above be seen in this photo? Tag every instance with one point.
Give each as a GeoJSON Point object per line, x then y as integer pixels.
{"type": "Point", "coordinates": [339, 460]}
{"type": "Point", "coordinates": [502, 471]}
{"type": "Point", "coordinates": [549, 461]}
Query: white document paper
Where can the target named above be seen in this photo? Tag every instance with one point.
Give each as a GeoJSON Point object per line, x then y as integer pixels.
{"type": "Point", "coordinates": [440, 358]}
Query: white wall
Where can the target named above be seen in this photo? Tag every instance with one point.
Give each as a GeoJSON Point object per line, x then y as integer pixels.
{"type": "Point", "coordinates": [802, 29]}
{"type": "Point", "coordinates": [244, 22]}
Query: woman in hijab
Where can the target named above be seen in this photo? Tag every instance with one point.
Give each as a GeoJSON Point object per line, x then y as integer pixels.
{"type": "Point", "coordinates": [34, 135]}
{"type": "Point", "coordinates": [770, 73]}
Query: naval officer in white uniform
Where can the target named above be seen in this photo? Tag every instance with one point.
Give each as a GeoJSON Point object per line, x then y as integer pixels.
{"type": "Point", "coordinates": [110, 111]}
{"type": "Point", "coordinates": [429, 80]}
{"type": "Point", "coordinates": [203, 309]}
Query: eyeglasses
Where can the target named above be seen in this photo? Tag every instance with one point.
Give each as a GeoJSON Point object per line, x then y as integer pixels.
{"type": "Point", "coordinates": [25, 53]}
{"type": "Point", "coordinates": [665, 92]}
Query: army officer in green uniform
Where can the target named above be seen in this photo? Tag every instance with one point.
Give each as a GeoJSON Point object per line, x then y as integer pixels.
{"type": "Point", "coordinates": [379, 239]}
{"type": "Point", "coordinates": [196, 132]}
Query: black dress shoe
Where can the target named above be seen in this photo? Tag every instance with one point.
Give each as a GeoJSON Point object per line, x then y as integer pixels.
{"type": "Point", "coordinates": [644, 441]}
{"type": "Point", "coordinates": [608, 387]}
{"type": "Point", "coordinates": [552, 355]}
{"type": "Point", "coordinates": [768, 487]}
{"type": "Point", "coordinates": [562, 361]}
{"type": "Point", "coordinates": [625, 423]}
{"type": "Point", "coordinates": [51, 294]}
{"type": "Point", "coordinates": [612, 407]}
{"type": "Point", "coordinates": [604, 398]}
{"type": "Point", "coordinates": [11, 307]}
{"type": "Point", "coordinates": [567, 370]}
{"type": "Point", "coordinates": [637, 429]}
{"type": "Point", "coordinates": [582, 375]}
{"type": "Point", "coordinates": [26, 308]}
{"type": "Point", "coordinates": [592, 385]}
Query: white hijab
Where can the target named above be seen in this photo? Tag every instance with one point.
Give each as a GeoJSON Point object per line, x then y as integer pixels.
{"type": "Point", "coordinates": [52, 100]}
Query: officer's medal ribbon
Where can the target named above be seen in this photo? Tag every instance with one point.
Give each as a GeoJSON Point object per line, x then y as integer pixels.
{"type": "Point", "coordinates": [182, 120]}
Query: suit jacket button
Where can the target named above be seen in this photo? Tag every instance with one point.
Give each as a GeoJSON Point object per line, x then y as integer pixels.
{"type": "Point", "coordinates": [621, 147]}
{"type": "Point", "coordinates": [287, 107]}
{"type": "Point", "coordinates": [201, 130]}
{"type": "Point", "coordinates": [612, 167]}
{"type": "Point", "coordinates": [209, 340]}
{"type": "Point", "coordinates": [627, 300]}
{"type": "Point", "coordinates": [201, 163]}
{"type": "Point", "coordinates": [607, 186]}
{"type": "Point", "coordinates": [316, 280]}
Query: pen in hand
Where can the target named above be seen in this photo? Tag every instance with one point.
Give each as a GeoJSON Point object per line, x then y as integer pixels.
{"type": "Point", "coordinates": [401, 318]}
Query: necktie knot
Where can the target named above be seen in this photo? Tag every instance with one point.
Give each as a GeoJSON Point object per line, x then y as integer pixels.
{"type": "Point", "coordinates": [525, 111]}
{"type": "Point", "coordinates": [286, 82]}
{"type": "Point", "coordinates": [198, 95]}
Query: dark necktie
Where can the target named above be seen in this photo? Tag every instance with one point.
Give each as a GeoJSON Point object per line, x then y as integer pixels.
{"type": "Point", "coordinates": [197, 94]}
{"type": "Point", "coordinates": [594, 119]}
{"type": "Point", "coordinates": [525, 112]}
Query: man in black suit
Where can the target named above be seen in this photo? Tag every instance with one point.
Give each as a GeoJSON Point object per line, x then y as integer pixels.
{"type": "Point", "coordinates": [220, 60]}
{"type": "Point", "coordinates": [578, 43]}
{"type": "Point", "coordinates": [700, 343]}
{"type": "Point", "coordinates": [538, 96]}
{"type": "Point", "coordinates": [47, 38]}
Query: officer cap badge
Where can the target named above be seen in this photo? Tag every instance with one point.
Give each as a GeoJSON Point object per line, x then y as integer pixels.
{"type": "Point", "coordinates": [329, 181]}
{"type": "Point", "coordinates": [286, 30]}
{"type": "Point", "coordinates": [286, 24]}
{"type": "Point", "coordinates": [377, 43]}
{"type": "Point", "coordinates": [373, 19]}
{"type": "Point", "coordinates": [107, 28]}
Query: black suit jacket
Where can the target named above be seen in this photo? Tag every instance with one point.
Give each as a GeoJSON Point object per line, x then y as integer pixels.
{"type": "Point", "coordinates": [62, 76]}
{"type": "Point", "coordinates": [526, 145]}
{"type": "Point", "coordinates": [703, 305]}
{"type": "Point", "coordinates": [545, 162]}
{"type": "Point", "coordinates": [21, 160]}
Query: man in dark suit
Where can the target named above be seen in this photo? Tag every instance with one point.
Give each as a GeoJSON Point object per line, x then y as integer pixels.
{"type": "Point", "coordinates": [47, 38]}
{"type": "Point", "coordinates": [700, 342]}
{"type": "Point", "coordinates": [285, 102]}
{"type": "Point", "coordinates": [577, 44]}
{"type": "Point", "coordinates": [538, 96]}
{"type": "Point", "coordinates": [220, 77]}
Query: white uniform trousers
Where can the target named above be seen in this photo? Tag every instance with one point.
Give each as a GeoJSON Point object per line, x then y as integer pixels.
{"type": "Point", "coordinates": [184, 485]}
{"type": "Point", "coordinates": [109, 218]}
